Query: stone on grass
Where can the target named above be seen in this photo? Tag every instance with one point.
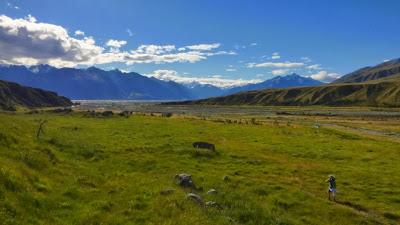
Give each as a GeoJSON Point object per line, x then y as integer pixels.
{"type": "Point", "coordinates": [212, 191]}
{"type": "Point", "coordinates": [184, 180]}
{"type": "Point", "coordinates": [196, 198]}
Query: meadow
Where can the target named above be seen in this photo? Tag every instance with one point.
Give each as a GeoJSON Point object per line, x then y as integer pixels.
{"type": "Point", "coordinates": [86, 169]}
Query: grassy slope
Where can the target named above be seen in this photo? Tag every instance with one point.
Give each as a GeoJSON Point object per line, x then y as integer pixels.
{"type": "Point", "coordinates": [378, 93]}
{"type": "Point", "coordinates": [13, 94]}
{"type": "Point", "coordinates": [377, 86]}
{"type": "Point", "coordinates": [386, 69]}
{"type": "Point", "coordinates": [110, 171]}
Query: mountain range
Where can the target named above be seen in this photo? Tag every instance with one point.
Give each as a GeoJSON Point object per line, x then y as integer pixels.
{"type": "Point", "coordinates": [94, 83]}
{"type": "Point", "coordinates": [377, 86]}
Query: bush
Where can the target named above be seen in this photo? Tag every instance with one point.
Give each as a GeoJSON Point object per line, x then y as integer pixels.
{"type": "Point", "coordinates": [166, 114]}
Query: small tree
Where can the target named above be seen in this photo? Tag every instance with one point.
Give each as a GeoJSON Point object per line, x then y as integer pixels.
{"type": "Point", "coordinates": [40, 128]}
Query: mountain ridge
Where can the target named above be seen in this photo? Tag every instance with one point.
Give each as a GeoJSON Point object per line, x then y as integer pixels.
{"type": "Point", "coordinates": [382, 70]}
{"type": "Point", "coordinates": [290, 80]}
{"type": "Point", "coordinates": [13, 95]}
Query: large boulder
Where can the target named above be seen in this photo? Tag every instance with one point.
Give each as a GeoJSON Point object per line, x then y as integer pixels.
{"type": "Point", "coordinates": [185, 180]}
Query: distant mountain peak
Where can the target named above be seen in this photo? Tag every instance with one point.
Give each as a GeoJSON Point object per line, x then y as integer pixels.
{"type": "Point", "coordinates": [41, 68]}
{"type": "Point", "coordinates": [93, 69]}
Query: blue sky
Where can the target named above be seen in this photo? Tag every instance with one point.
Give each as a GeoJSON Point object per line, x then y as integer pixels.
{"type": "Point", "coordinates": [231, 40]}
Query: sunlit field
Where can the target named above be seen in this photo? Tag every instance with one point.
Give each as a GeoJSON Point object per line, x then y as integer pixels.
{"type": "Point", "coordinates": [94, 169]}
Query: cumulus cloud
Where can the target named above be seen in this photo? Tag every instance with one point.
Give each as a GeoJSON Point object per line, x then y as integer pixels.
{"type": "Point", "coordinates": [28, 42]}
{"type": "Point", "coordinates": [79, 33]}
{"type": "Point", "coordinates": [276, 64]}
{"type": "Point", "coordinates": [24, 41]}
{"type": "Point", "coordinates": [280, 72]}
{"type": "Point", "coordinates": [275, 55]}
{"type": "Point", "coordinates": [115, 45]}
{"type": "Point", "coordinates": [215, 80]}
{"type": "Point", "coordinates": [325, 76]}
{"type": "Point", "coordinates": [230, 70]}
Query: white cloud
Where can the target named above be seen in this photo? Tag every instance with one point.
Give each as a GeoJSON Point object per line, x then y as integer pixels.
{"type": "Point", "coordinates": [253, 44]}
{"type": "Point", "coordinates": [314, 67]}
{"type": "Point", "coordinates": [325, 76]}
{"type": "Point", "coordinates": [276, 64]}
{"type": "Point", "coordinates": [115, 43]}
{"type": "Point", "coordinates": [130, 33]}
{"type": "Point", "coordinates": [260, 75]}
{"type": "Point", "coordinates": [280, 72]}
{"type": "Point", "coordinates": [275, 55]}
{"type": "Point", "coordinates": [30, 18]}
{"type": "Point", "coordinates": [230, 70]}
{"type": "Point", "coordinates": [24, 41]}
{"type": "Point", "coordinates": [203, 47]}
{"type": "Point", "coordinates": [28, 42]}
{"type": "Point", "coordinates": [215, 80]}
{"type": "Point", "coordinates": [79, 33]}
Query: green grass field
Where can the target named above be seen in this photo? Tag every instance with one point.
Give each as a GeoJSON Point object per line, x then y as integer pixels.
{"type": "Point", "coordinates": [112, 170]}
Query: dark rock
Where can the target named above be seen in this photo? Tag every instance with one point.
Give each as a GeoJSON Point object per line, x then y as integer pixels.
{"type": "Point", "coordinates": [185, 180]}
{"type": "Point", "coordinates": [206, 145]}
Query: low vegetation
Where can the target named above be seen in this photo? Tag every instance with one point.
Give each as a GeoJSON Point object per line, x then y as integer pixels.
{"type": "Point", "coordinates": [122, 170]}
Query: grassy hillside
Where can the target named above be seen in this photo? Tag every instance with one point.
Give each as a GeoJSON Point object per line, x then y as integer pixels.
{"type": "Point", "coordinates": [13, 95]}
{"type": "Point", "coordinates": [386, 69]}
{"type": "Point", "coordinates": [86, 170]}
{"type": "Point", "coordinates": [384, 92]}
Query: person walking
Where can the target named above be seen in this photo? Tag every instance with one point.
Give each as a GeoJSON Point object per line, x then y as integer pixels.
{"type": "Point", "coordinates": [332, 188]}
